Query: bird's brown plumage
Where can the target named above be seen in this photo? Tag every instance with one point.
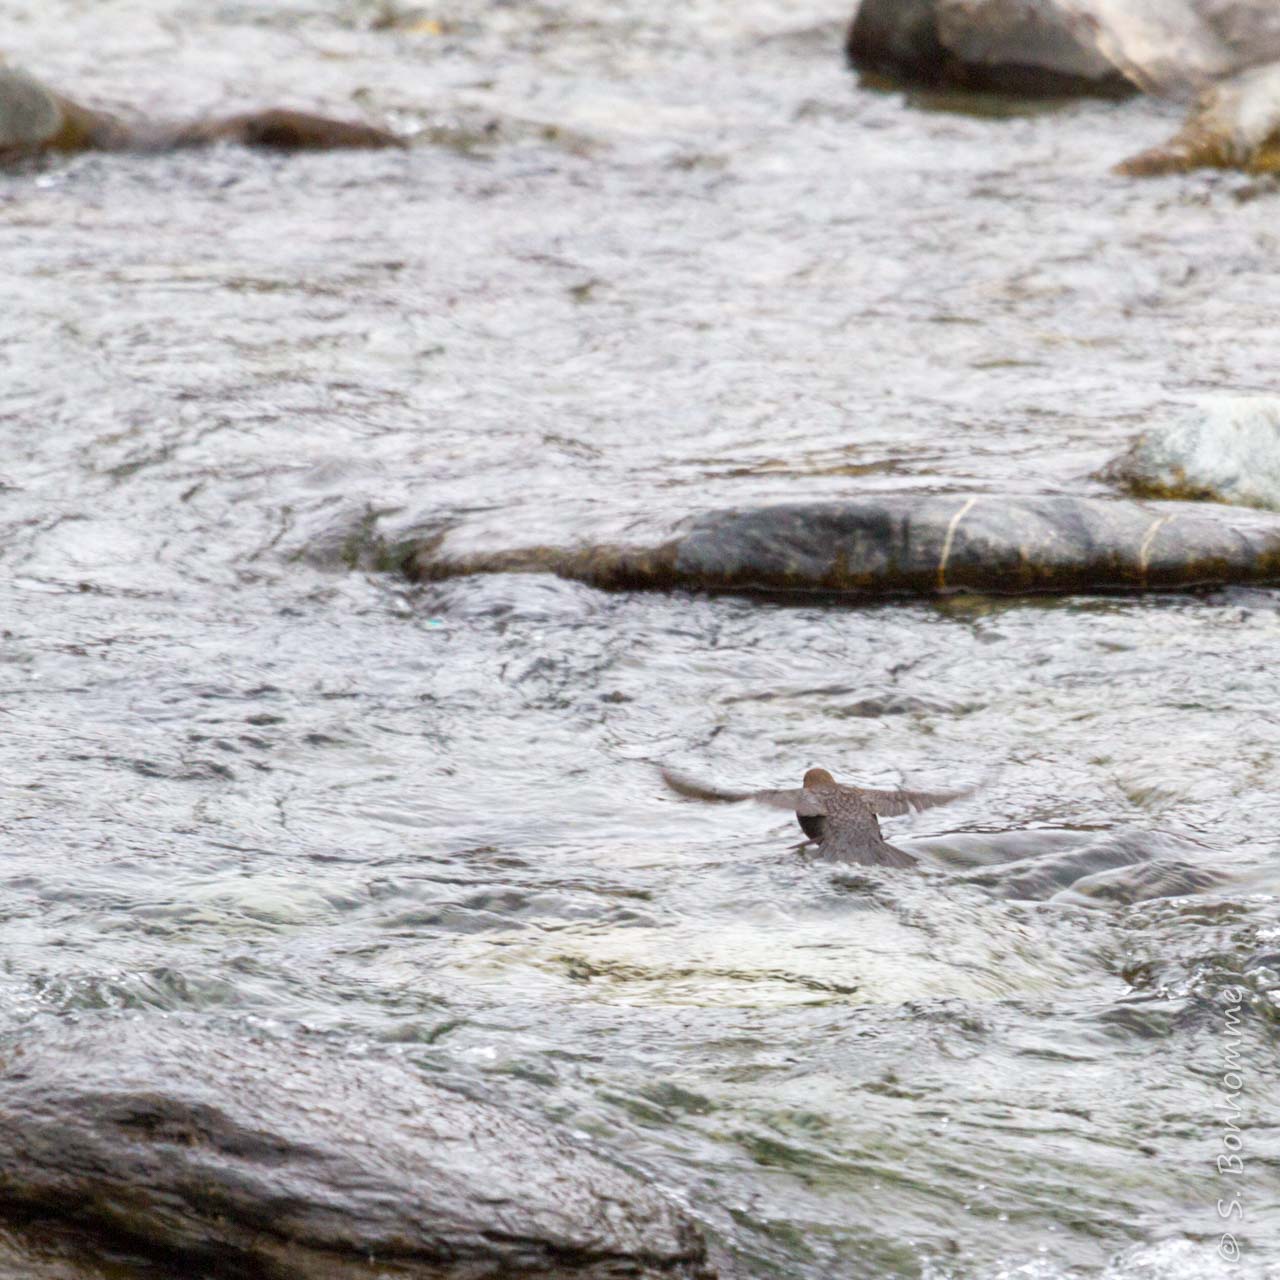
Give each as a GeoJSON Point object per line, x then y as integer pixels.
{"type": "Point", "coordinates": [842, 819]}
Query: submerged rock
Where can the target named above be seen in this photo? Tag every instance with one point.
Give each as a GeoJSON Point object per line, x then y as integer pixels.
{"type": "Point", "coordinates": [278, 1159]}
{"type": "Point", "coordinates": [282, 129]}
{"type": "Point", "coordinates": [920, 544]}
{"type": "Point", "coordinates": [1159, 878]}
{"type": "Point", "coordinates": [1225, 450]}
{"type": "Point", "coordinates": [1091, 867]}
{"type": "Point", "coordinates": [35, 119]}
{"type": "Point", "coordinates": [1235, 125]}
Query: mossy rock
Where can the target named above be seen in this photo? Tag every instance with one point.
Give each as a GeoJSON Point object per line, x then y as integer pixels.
{"type": "Point", "coordinates": [1235, 125]}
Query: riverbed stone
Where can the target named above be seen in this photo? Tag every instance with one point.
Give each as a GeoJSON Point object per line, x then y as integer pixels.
{"type": "Point", "coordinates": [286, 1159]}
{"type": "Point", "coordinates": [29, 113]}
{"type": "Point", "coordinates": [1031, 48]}
{"type": "Point", "coordinates": [283, 129]}
{"type": "Point", "coordinates": [918, 544]}
{"type": "Point", "coordinates": [1225, 53]}
{"type": "Point", "coordinates": [1055, 47]}
{"type": "Point", "coordinates": [35, 119]}
{"type": "Point", "coordinates": [1234, 125]}
{"type": "Point", "coordinates": [1225, 449]}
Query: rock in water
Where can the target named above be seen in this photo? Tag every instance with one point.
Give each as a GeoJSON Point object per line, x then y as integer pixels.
{"type": "Point", "coordinates": [1225, 450]}
{"type": "Point", "coordinates": [282, 129]}
{"type": "Point", "coordinates": [287, 1160]}
{"type": "Point", "coordinates": [1029, 48]}
{"type": "Point", "coordinates": [1053, 47]}
{"type": "Point", "coordinates": [1235, 125]}
{"type": "Point", "coordinates": [923, 544]}
{"type": "Point", "coordinates": [34, 119]}
{"type": "Point", "coordinates": [916, 544]}
{"type": "Point", "coordinates": [1226, 51]}
{"type": "Point", "coordinates": [29, 113]}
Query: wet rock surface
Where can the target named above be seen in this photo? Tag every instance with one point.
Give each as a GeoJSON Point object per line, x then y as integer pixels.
{"type": "Point", "coordinates": [1236, 125]}
{"type": "Point", "coordinates": [1038, 50]}
{"type": "Point", "coordinates": [921, 545]}
{"type": "Point", "coordinates": [29, 115]}
{"type": "Point", "coordinates": [1227, 449]}
{"type": "Point", "coordinates": [1050, 48]}
{"type": "Point", "coordinates": [1118, 866]}
{"type": "Point", "coordinates": [1056, 47]}
{"type": "Point", "coordinates": [257, 1157]}
{"type": "Point", "coordinates": [35, 119]}
{"type": "Point", "coordinates": [281, 129]}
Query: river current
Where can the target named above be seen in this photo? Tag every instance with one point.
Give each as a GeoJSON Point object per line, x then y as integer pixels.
{"type": "Point", "coordinates": [637, 264]}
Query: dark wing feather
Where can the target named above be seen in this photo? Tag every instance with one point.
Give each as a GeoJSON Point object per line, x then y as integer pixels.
{"type": "Point", "coordinates": [891, 804]}
{"type": "Point", "coordinates": [796, 799]}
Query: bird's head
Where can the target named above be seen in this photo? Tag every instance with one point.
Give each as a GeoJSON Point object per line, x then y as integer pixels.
{"type": "Point", "coordinates": [818, 778]}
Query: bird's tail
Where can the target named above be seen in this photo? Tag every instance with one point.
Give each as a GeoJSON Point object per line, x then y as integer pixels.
{"type": "Point", "coordinates": [885, 855]}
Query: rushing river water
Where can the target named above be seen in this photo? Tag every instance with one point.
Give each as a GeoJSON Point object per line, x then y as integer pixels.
{"type": "Point", "coordinates": [639, 263]}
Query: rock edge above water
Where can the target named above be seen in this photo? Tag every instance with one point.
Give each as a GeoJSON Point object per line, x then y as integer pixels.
{"type": "Point", "coordinates": [1054, 48]}
{"type": "Point", "coordinates": [1225, 51]}
{"type": "Point", "coordinates": [918, 544]}
{"type": "Point", "coordinates": [287, 1160]}
{"type": "Point", "coordinates": [35, 120]}
{"type": "Point", "coordinates": [1223, 449]}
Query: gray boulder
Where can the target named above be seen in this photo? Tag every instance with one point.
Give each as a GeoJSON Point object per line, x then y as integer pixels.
{"type": "Point", "coordinates": [918, 544]}
{"type": "Point", "coordinates": [1226, 449]}
{"type": "Point", "coordinates": [29, 114]}
{"type": "Point", "coordinates": [33, 118]}
{"type": "Point", "coordinates": [1055, 47]}
{"type": "Point", "coordinates": [287, 1160]}
{"type": "Point", "coordinates": [1224, 52]}
{"type": "Point", "coordinates": [1005, 46]}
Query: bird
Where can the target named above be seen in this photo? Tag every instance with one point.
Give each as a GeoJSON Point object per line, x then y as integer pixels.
{"type": "Point", "coordinates": [843, 820]}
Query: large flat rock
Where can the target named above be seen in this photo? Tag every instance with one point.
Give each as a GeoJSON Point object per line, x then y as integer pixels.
{"type": "Point", "coordinates": [285, 1159]}
{"type": "Point", "coordinates": [1054, 47]}
{"type": "Point", "coordinates": [920, 544]}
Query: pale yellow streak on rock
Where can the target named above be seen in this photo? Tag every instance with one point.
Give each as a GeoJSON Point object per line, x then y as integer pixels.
{"type": "Point", "coordinates": [946, 544]}
{"type": "Point", "coordinates": [1148, 538]}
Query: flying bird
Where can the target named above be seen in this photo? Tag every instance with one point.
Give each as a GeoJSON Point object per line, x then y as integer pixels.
{"type": "Point", "coordinates": [843, 820]}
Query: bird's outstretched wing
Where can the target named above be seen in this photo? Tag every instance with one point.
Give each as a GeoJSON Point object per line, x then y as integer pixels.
{"type": "Point", "coordinates": [891, 804]}
{"type": "Point", "coordinates": [797, 799]}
